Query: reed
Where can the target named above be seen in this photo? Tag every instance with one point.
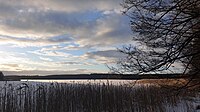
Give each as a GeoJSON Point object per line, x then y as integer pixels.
{"type": "Point", "coordinates": [89, 97]}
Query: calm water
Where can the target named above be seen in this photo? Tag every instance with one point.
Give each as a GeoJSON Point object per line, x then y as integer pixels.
{"type": "Point", "coordinates": [115, 82]}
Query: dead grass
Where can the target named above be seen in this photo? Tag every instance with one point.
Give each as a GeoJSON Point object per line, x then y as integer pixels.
{"type": "Point", "coordinates": [57, 97]}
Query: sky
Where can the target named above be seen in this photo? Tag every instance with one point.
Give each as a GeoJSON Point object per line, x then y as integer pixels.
{"type": "Point", "coordinates": [39, 37]}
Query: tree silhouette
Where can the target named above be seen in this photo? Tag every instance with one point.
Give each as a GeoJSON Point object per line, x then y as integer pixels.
{"type": "Point", "coordinates": [1, 76]}
{"type": "Point", "coordinates": [167, 33]}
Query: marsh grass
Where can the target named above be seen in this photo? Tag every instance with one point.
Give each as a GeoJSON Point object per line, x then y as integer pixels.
{"type": "Point", "coordinates": [96, 97]}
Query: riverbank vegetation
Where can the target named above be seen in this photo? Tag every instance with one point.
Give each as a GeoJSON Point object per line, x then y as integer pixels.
{"type": "Point", "coordinates": [92, 97]}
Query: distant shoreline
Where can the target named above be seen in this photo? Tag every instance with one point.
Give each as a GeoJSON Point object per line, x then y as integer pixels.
{"type": "Point", "coordinates": [96, 76]}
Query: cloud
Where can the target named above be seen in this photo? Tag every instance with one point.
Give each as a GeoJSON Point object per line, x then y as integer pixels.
{"type": "Point", "coordinates": [104, 57]}
{"type": "Point", "coordinates": [45, 17]}
{"type": "Point", "coordinates": [55, 34]}
{"type": "Point", "coordinates": [50, 53]}
{"type": "Point", "coordinates": [25, 41]}
{"type": "Point", "coordinates": [108, 53]}
{"type": "Point", "coordinates": [47, 22]}
{"type": "Point", "coordinates": [63, 5]}
{"type": "Point", "coordinates": [88, 23]}
{"type": "Point", "coordinates": [60, 38]}
{"type": "Point", "coordinates": [71, 63]}
{"type": "Point", "coordinates": [9, 57]}
{"type": "Point", "coordinates": [45, 59]}
{"type": "Point", "coordinates": [11, 65]}
{"type": "Point", "coordinates": [46, 72]}
{"type": "Point", "coordinates": [110, 30]}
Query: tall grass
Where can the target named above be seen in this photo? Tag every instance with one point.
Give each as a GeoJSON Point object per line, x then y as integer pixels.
{"type": "Point", "coordinates": [96, 97]}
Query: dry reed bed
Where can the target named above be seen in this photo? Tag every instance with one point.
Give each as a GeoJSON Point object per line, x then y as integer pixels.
{"type": "Point", "coordinates": [60, 97]}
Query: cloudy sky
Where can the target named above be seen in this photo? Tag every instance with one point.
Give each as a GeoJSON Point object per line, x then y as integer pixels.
{"type": "Point", "coordinates": [61, 36]}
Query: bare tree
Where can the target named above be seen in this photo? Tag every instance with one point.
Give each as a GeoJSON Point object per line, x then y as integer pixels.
{"type": "Point", "coordinates": [1, 76]}
{"type": "Point", "coordinates": [167, 32]}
